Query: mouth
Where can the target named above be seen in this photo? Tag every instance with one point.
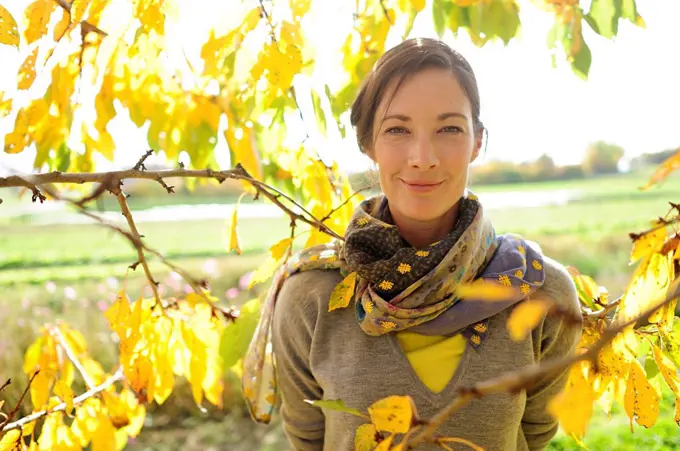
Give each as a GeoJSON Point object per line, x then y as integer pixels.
{"type": "Point", "coordinates": [419, 186]}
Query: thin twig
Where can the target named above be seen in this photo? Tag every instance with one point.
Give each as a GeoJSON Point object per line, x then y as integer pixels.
{"type": "Point", "coordinates": [239, 173]}
{"type": "Point", "coordinates": [441, 441]}
{"type": "Point", "coordinates": [602, 312]}
{"type": "Point", "coordinates": [140, 164]}
{"type": "Point", "coordinates": [140, 251]}
{"type": "Point", "coordinates": [663, 224]}
{"type": "Point", "coordinates": [16, 408]}
{"type": "Point", "coordinates": [387, 15]}
{"type": "Point", "coordinates": [333, 211]}
{"type": "Point", "coordinates": [264, 189]}
{"type": "Point", "coordinates": [528, 375]}
{"type": "Point", "coordinates": [61, 407]}
{"type": "Point", "coordinates": [55, 331]}
{"type": "Point", "coordinates": [9, 381]}
{"type": "Point", "coordinates": [67, 7]}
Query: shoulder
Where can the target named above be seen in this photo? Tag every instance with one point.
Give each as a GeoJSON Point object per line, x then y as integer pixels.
{"type": "Point", "coordinates": [559, 286]}
{"type": "Point", "coordinates": [306, 293]}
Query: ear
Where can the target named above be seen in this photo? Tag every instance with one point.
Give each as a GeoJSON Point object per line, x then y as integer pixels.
{"type": "Point", "coordinates": [477, 147]}
{"type": "Point", "coordinates": [368, 151]}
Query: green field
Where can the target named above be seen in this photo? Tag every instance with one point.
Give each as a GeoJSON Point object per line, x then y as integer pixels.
{"type": "Point", "coordinates": [72, 271]}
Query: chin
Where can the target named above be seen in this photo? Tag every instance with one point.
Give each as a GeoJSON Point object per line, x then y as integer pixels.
{"type": "Point", "coordinates": [422, 211]}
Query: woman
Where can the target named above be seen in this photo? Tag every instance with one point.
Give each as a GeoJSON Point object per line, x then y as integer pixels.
{"type": "Point", "coordinates": [417, 118]}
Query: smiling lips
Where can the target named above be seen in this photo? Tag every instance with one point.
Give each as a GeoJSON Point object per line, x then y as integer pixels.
{"type": "Point", "coordinates": [421, 186]}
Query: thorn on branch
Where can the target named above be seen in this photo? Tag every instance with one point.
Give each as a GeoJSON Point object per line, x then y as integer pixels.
{"type": "Point", "coordinates": [675, 206]}
{"type": "Point", "coordinates": [9, 381]}
{"type": "Point", "coordinates": [37, 195]}
{"type": "Point", "coordinates": [134, 265]}
{"type": "Point", "coordinates": [140, 164]}
{"type": "Point", "coordinates": [169, 189]}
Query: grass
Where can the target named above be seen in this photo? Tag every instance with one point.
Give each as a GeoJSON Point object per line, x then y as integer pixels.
{"type": "Point", "coordinates": [72, 272]}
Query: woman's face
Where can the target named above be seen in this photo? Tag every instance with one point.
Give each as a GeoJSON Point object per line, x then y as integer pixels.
{"type": "Point", "coordinates": [423, 146]}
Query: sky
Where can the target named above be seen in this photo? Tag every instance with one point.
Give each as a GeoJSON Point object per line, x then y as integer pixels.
{"type": "Point", "coordinates": [632, 96]}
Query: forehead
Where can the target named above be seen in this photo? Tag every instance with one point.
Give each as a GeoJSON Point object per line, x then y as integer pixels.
{"type": "Point", "coordinates": [430, 90]}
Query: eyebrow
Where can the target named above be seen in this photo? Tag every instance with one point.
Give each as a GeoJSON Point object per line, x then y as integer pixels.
{"type": "Point", "coordinates": [441, 117]}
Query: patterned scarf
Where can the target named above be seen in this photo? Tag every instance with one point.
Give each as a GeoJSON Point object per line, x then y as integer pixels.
{"type": "Point", "coordinates": [400, 287]}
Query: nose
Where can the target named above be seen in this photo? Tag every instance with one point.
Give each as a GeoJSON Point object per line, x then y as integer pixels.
{"type": "Point", "coordinates": [423, 154]}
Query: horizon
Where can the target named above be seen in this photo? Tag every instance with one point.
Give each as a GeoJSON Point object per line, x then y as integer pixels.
{"type": "Point", "coordinates": [530, 110]}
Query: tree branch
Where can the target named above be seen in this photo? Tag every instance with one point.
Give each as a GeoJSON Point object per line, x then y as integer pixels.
{"type": "Point", "coordinates": [239, 173]}
{"type": "Point", "coordinates": [140, 251]}
{"type": "Point", "coordinates": [59, 336]}
{"type": "Point", "coordinates": [61, 407]}
{"type": "Point", "coordinates": [525, 377]}
{"type": "Point", "coordinates": [14, 411]}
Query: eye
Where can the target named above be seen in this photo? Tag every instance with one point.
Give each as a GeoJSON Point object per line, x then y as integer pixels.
{"type": "Point", "coordinates": [396, 130]}
{"type": "Point", "coordinates": [452, 129]}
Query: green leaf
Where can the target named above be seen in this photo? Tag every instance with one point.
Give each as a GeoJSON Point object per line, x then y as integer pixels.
{"type": "Point", "coordinates": [62, 159]}
{"type": "Point", "coordinates": [337, 405]}
{"type": "Point", "coordinates": [603, 17]}
{"type": "Point", "coordinates": [509, 21]}
{"type": "Point", "coordinates": [237, 335]}
{"type": "Point", "coordinates": [671, 343]}
{"type": "Point", "coordinates": [440, 12]}
{"type": "Point", "coordinates": [319, 113]}
{"type": "Point", "coordinates": [629, 11]}
{"type": "Point", "coordinates": [651, 367]}
{"type": "Point", "coordinates": [582, 61]}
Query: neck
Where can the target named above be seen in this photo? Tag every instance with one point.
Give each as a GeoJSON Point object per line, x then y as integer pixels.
{"type": "Point", "coordinates": [421, 234]}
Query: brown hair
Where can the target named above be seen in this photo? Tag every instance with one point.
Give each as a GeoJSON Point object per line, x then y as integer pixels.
{"type": "Point", "coordinates": [406, 59]}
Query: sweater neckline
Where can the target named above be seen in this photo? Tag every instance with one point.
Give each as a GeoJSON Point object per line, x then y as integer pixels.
{"type": "Point", "coordinates": [431, 396]}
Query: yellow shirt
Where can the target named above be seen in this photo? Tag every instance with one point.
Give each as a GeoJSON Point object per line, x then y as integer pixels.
{"type": "Point", "coordinates": [434, 358]}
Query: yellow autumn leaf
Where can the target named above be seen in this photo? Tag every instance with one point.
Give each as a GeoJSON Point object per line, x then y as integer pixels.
{"type": "Point", "coordinates": [62, 26]}
{"type": "Point", "coordinates": [299, 8]}
{"type": "Point", "coordinates": [485, 290]}
{"type": "Point", "coordinates": [641, 399]}
{"type": "Point", "coordinates": [36, 19]}
{"type": "Point", "coordinates": [316, 237]}
{"type": "Point", "coordinates": [5, 105]}
{"type": "Point", "coordinates": [648, 286]}
{"type": "Point", "coordinates": [78, 9]}
{"type": "Point", "coordinates": [27, 73]}
{"type": "Point", "coordinates": [279, 249]}
{"type": "Point", "coordinates": [647, 244]}
{"type": "Point", "coordinates": [667, 370]}
{"type": "Point", "coordinates": [240, 140]}
{"type": "Point", "coordinates": [264, 271]}
{"type": "Point", "coordinates": [9, 32]}
{"type": "Point", "coordinates": [8, 442]}
{"type": "Point", "coordinates": [234, 244]}
{"type": "Point", "coordinates": [40, 390]}
{"type": "Point", "coordinates": [385, 444]}
{"type": "Point", "coordinates": [526, 316]}
{"type": "Point", "coordinates": [671, 164]}
{"type": "Point", "coordinates": [364, 439]}
{"type": "Point", "coordinates": [573, 406]}
{"type": "Point", "coordinates": [343, 292]}
{"type": "Point", "coordinates": [393, 414]}
{"type": "Point", "coordinates": [64, 392]}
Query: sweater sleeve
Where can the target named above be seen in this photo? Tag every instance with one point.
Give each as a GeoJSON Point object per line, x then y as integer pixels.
{"type": "Point", "coordinates": [556, 338]}
{"type": "Point", "coordinates": [293, 326]}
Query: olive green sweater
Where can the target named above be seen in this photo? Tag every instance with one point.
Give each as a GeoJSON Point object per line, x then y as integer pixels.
{"type": "Point", "coordinates": [322, 355]}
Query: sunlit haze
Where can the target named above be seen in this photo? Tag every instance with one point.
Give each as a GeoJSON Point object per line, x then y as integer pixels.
{"type": "Point", "coordinates": [530, 108]}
